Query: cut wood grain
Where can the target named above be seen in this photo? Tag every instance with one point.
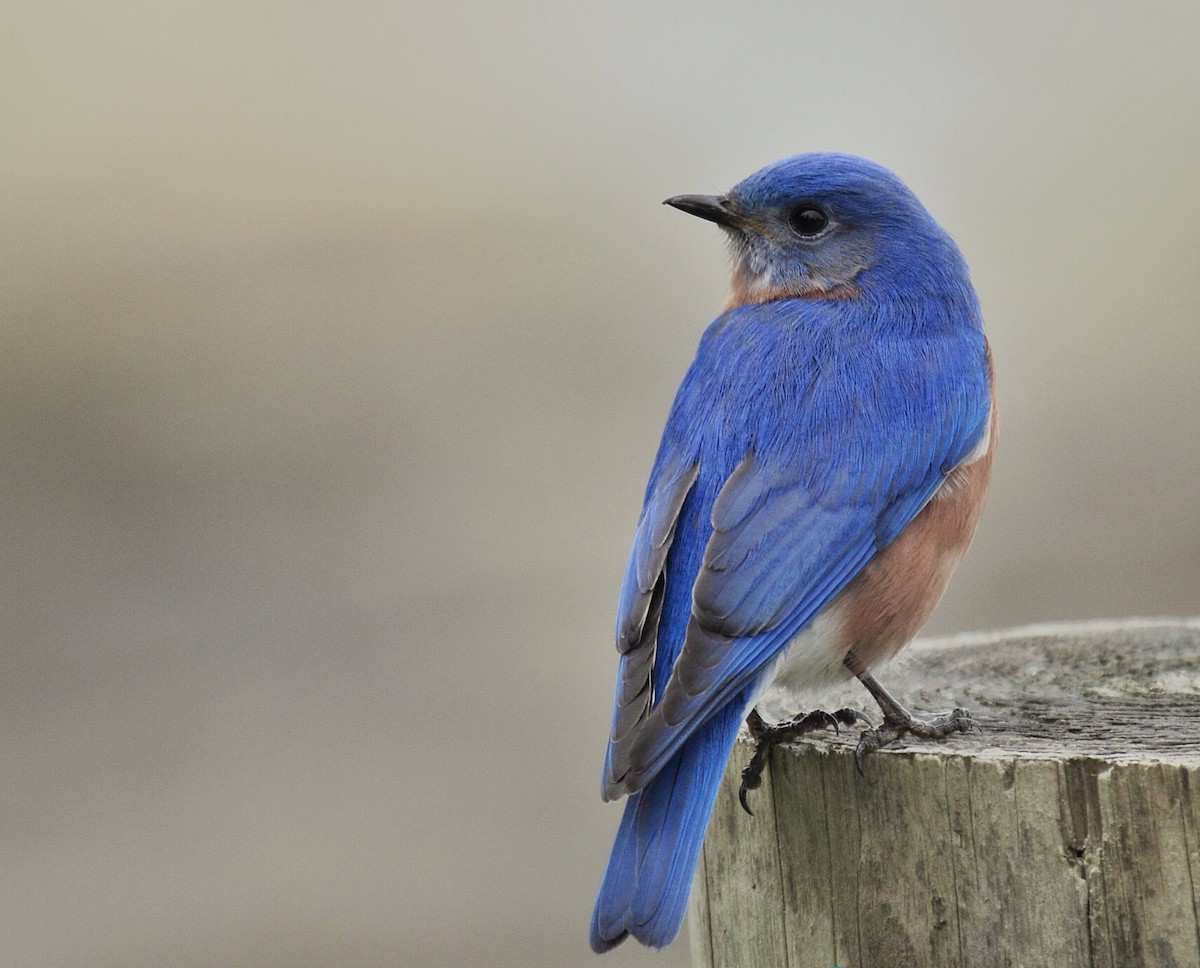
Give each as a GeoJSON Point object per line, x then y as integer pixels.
{"type": "Point", "coordinates": [1064, 834]}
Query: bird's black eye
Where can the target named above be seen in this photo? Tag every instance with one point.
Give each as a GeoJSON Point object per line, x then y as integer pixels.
{"type": "Point", "coordinates": [807, 220]}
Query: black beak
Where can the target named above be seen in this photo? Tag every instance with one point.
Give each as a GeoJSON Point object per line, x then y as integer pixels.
{"type": "Point", "coordinates": [715, 208]}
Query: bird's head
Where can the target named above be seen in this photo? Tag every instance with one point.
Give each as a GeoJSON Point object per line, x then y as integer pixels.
{"type": "Point", "coordinates": [830, 226]}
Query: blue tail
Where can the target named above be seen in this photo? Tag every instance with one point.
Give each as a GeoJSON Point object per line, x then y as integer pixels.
{"type": "Point", "coordinates": [649, 874]}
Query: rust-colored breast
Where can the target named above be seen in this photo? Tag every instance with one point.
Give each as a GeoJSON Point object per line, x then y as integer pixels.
{"type": "Point", "coordinates": [745, 289]}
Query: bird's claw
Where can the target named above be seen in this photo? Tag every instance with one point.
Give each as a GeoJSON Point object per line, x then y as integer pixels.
{"type": "Point", "coordinates": [751, 780]}
{"type": "Point", "coordinates": [766, 735]}
{"type": "Point", "coordinates": [956, 721]}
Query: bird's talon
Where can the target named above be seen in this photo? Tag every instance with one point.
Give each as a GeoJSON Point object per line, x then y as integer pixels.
{"type": "Point", "coordinates": [766, 735]}
{"type": "Point", "coordinates": [893, 728]}
{"type": "Point", "coordinates": [743, 791]}
{"type": "Point", "coordinates": [851, 717]}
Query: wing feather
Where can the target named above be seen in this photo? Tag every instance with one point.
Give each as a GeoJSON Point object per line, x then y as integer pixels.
{"type": "Point", "coordinates": [639, 608]}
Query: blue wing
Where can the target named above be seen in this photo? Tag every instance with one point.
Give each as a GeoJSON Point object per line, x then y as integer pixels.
{"type": "Point", "coordinates": [795, 450]}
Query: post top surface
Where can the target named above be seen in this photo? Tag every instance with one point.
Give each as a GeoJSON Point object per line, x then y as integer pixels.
{"type": "Point", "coordinates": [1122, 690]}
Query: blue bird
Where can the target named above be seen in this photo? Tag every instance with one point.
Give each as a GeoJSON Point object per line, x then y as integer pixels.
{"type": "Point", "coordinates": [821, 474]}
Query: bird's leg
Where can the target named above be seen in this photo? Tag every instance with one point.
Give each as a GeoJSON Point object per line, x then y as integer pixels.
{"type": "Point", "coordinates": [767, 735]}
{"type": "Point", "coordinates": [898, 721]}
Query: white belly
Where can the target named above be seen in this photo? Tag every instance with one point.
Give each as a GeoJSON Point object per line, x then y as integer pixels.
{"type": "Point", "coordinates": [813, 660]}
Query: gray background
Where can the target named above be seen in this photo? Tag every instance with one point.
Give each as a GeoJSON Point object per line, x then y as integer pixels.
{"type": "Point", "coordinates": [336, 340]}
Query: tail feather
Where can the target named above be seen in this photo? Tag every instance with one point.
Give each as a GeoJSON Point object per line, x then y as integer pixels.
{"type": "Point", "coordinates": [649, 874]}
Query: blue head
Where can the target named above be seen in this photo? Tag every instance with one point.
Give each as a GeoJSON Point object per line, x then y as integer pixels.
{"type": "Point", "coordinates": [826, 225]}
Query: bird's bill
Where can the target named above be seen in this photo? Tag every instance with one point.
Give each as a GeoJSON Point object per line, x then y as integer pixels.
{"type": "Point", "coordinates": [714, 208]}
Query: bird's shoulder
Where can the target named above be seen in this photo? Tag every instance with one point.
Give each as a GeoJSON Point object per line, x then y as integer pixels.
{"type": "Point", "coordinates": [817, 376]}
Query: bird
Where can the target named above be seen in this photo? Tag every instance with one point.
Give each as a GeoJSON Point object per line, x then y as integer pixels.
{"type": "Point", "coordinates": [820, 475]}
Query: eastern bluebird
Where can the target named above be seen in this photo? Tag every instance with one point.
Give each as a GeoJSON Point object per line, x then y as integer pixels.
{"type": "Point", "coordinates": [821, 473]}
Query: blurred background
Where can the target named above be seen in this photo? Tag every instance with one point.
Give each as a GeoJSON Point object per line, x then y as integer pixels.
{"type": "Point", "coordinates": [335, 342]}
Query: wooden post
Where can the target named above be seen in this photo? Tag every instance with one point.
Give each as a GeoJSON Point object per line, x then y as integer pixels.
{"type": "Point", "coordinates": [1065, 834]}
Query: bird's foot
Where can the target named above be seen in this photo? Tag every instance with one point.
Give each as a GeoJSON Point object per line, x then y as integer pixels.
{"type": "Point", "coordinates": [899, 722]}
{"type": "Point", "coordinates": [766, 735]}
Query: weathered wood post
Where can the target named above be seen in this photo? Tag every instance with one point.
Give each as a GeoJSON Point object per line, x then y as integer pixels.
{"type": "Point", "coordinates": [1065, 834]}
